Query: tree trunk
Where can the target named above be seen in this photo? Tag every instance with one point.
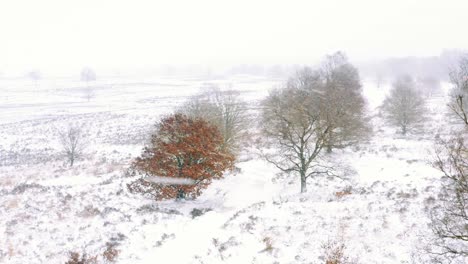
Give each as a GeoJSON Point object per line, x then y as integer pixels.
{"type": "Point", "coordinates": [329, 142]}
{"type": "Point", "coordinates": [462, 114]}
{"type": "Point", "coordinates": [303, 182]}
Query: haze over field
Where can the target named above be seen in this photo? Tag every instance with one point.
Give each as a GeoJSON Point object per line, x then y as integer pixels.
{"type": "Point", "coordinates": [61, 37]}
{"type": "Point", "coordinates": [216, 131]}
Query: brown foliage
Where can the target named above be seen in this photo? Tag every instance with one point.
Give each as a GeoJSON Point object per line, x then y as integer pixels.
{"type": "Point", "coordinates": [268, 244]}
{"type": "Point", "coordinates": [342, 194]}
{"type": "Point", "coordinates": [336, 253]}
{"type": "Point", "coordinates": [181, 149]}
{"type": "Point", "coordinates": [111, 253]}
{"type": "Point", "coordinates": [76, 258]}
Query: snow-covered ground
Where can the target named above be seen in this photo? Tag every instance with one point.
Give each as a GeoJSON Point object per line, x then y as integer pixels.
{"type": "Point", "coordinates": [48, 209]}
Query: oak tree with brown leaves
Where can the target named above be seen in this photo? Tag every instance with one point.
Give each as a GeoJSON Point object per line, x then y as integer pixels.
{"type": "Point", "coordinates": [183, 158]}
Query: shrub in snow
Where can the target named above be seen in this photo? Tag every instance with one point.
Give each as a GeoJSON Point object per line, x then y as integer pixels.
{"type": "Point", "coordinates": [111, 253]}
{"type": "Point", "coordinates": [268, 245]}
{"type": "Point", "coordinates": [89, 211]}
{"type": "Point", "coordinates": [183, 158]}
{"type": "Point", "coordinates": [77, 258]}
{"type": "Point", "coordinates": [347, 191]}
{"type": "Point", "coordinates": [199, 212]}
{"type": "Point", "coordinates": [21, 188]}
{"type": "Point", "coordinates": [335, 252]}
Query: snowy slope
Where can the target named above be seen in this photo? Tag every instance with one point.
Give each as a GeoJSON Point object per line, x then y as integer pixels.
{"type": "Point", "coordinates": [252, 216]}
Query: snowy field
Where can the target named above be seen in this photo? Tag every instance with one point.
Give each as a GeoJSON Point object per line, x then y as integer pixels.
{"type": "Point", "coordinates": [48, 209]}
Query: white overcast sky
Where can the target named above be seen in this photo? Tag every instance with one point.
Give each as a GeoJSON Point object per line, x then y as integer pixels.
{"type": "Point", "coordinates": [66, 34]}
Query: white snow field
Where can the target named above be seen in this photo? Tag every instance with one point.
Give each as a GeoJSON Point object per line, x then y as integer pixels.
{"type": "Point", "coordinates": [255, 215]}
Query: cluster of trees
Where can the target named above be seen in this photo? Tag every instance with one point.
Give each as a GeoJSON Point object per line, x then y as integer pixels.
{"type": "Point", "coordinates": [192, 147]}
{"type": "Point", "coordinates": [404, 107]}
{"type": "Point", "coordinates": [87, 75]}
{"type": "Point", "coordinates": [425, 69]}
{"type": "Point", "coordinates": [317, 109]}
{"type": "Point", "coordinates": [314, 112]}
{"type": "Point", "coordinates": [223, 109]}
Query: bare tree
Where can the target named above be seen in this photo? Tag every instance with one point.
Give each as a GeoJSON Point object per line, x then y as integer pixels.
{"type": "Point", "coordinates": [88, 75]}
{"type": "Point", "coordinates": [35, 76]}
{"type": "Point", "coordinates": [449, 221]}
{"type": "Point", "coordinates": [404, 106]}
{"type": "Point", "coordinates": [295, 133]}
{"type": "Point", "coordinates": [224, 109]}
{"type": "Point", "coordinates": [342, 103]}
{"type": "Point", "coordinates": [89, 93]}
{"type": "Point", "coordinates": [72, 142]}
{"type": "Point", "coordinates": [459, 94]}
